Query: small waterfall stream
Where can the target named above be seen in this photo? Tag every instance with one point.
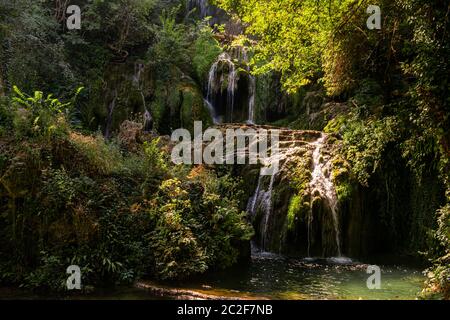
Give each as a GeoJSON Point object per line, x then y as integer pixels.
{"type": "Point", "coordinates": [232, 84]}
{"type": "Point", "coordinates": [251, 99]}
{"type": "Point", "coordinates": [267, 207]}
{"type": "Point", "coordinates": [216, 78]}
{"type": "Point", "coordinates": [212, 111]}
{"type": "Point", "coordinates": [321, 183]}
{"type": "Point", "coordinates": [262, 200]}
{"type": "Point", "coordinates": [251, 88]}
{"type": "Point", "coordinates": [224, 69]}
{"type": "Point", "coordinates": [137, 82]}
{"type": "Point", "coordinates": [202, 6]}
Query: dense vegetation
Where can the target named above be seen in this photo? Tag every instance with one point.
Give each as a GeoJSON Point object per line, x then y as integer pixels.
{"type": "Point", "coordinates": [82, 182]}
{"type": "Point", "coordinates": [395, 80]}
{"type": "Point", "coordinates": [68, 196]}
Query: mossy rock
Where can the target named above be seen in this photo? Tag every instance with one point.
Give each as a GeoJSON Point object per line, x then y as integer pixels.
{"type": "Point", "coordinates": [117, 84]}
{"type": "Point", "coordinates": [193, 107]}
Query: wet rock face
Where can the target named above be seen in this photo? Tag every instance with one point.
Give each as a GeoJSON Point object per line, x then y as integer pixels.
{"type": "Point", "coordinates": [130, 91]}
{"type": "Point", "coordinates": [313, 101]}
{"type": "Point", "coordinates": [296, 211]}
{"type": "Point", "coordinates": [301, 211]}
{"type": "Point", "coordinates": [314, 208]}
{"type": "Point", "coordinates": [231, 88]}
{"type": "Point", "coordinates": [119, 96]}
{"type": "Point", "coordinates": [202, 9]}
{"type": "Point", "coordinates": [303, 216]}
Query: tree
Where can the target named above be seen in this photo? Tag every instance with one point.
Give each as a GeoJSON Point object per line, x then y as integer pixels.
{"type": "Point", "coordinates": [292, 35]}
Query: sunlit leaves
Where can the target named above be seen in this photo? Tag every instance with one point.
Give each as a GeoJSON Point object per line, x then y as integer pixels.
{"type": "Point", "coordinates": [292, 35]}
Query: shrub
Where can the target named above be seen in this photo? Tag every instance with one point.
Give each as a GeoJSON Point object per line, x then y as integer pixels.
{"type": "Point", "coordinates": [438, 282]}
{"type": "Point", "coordinates": [206, 50]}
{"type": "Point", "coordinates": [103, 157]}
{"type": "Point", "coordinates": [197, 227]}
{"type": "Point", "coordinates": [39, 116]}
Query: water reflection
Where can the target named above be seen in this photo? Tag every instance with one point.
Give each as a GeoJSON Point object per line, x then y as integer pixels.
{"type": "Point", "coordinates": [277, 277]}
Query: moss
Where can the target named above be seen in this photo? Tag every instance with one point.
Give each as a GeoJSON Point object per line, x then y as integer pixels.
{"type": "Point", "coordinates": [293, 211]}
{"type": "Point", "coordinates": [341, 175]}
{"type": "Point", "coordinates": [344, 191]}
{"type": "Point", "coordinates": [165, 106]}
{"type": "Point", "coordinates": [335, 125]}
{"type": "Point", "coordinates": [250, 176]}
{"type": "Point", "coordinates": [298, 206]}
{"type": "Point", "coordinates": [193, 108]}
{"type": "Point", "coordinates": [302, 175]}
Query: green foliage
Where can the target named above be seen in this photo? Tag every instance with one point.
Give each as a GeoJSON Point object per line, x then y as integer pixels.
{"type": "Point", "coordinates": [127, 23]}
{"type": "Point", "coordinates": [177, 251]}
{"type": "Point", "coordinates": [28, 27]}
{"type": "Point", "coordinates": [206, 50]}
{"type": "Point", "coordinates": [48, 276]}
{"type": "Point", "coordinates": [365, 144]}
{"type": "Point", "coordinates": [196, 226]}
{"type": "Point", "coordinates": [102, 157]}
{"type": "Point", "coordinates": [438, 285]}
{"type": "Point", "coordinates": [40, 116]}
{"type": "Point", "coordinates": [295, 206]}
{"type": "Point", "coordinates": [155, 165]}
{"type": "Point", "coordinates": [292, 35]}
{"type": "Point", "coordinates": [117, 215]}
{"type": "Point", "coordinates": [171, 47]}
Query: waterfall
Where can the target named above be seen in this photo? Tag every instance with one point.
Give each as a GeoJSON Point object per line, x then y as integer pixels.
{"type": "Point", "coordinates": [212, 80]}
{"type": "Point", "coordinates": [321, 182]}
{"type": "Point", "coordinates": [138, 72]}
{"type": "Point", "coordinates": [109, 119]}
{"type": "Point", "coordinates": [202, 5]}
{"type": "Point", "coordinates": [262, 199]}
{"type": "Point", "coordinates": [251, 99]}
{"type": "Point", "coordinates": [251, 86]}
{"type": "Point", "coordinates": [212, 112]}
{"type": "Point", "coordinates": [232, 84]}
{"type": "Point", "coordinates": [254, 198]}
{"type": "Point", "coordinates": [215, 79]}
{"type": "Point", "coordinates": [263, 210]}
{"type": "Point", "coordinates": [267, 207]}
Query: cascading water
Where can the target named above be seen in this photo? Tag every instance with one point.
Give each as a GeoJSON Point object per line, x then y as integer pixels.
{"type": "Point", "coordinates": [252, 201]}
{"type": "Point", "coordinates": [202, 5]}
{"type": "Point", "coordinates": [251, 87]}
{"type": "Point", "coordinates": [321, 183]}
{"type": "Point", "coordinates": [109, 119]}
{"type": "Point", "coordinates": [232, 84]}
{"type": "Point", "coordinates": [262, 200]}
{"type": "Point", "coordinates": [212, 112]}
{"type": "Point", "coordinates": [295, 145]}
{"type": "Point", "coordinates": [138, 71]}
{"type": "Point", "coordinates": [251, 99]}
{"type": "Point", "coordinates": [215, 79]}
{"type": "Point", "coordinates": [267, 207]}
